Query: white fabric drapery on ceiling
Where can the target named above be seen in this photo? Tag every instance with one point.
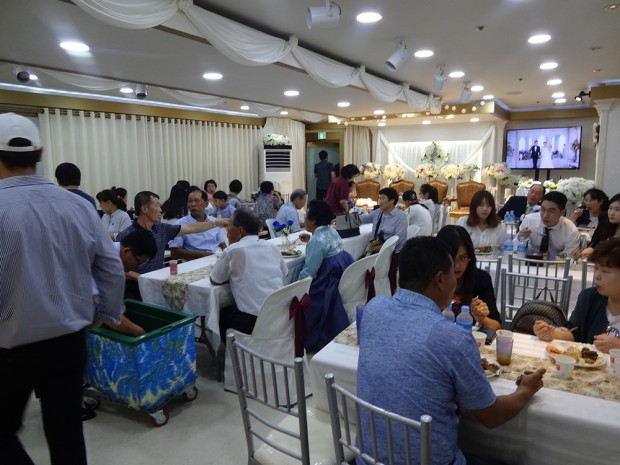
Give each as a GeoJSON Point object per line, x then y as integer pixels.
{"type": "Point", "coordinates": [357, 145]}
{"type": "Point", "coordinates": [85, 82]}
{"type": "Point", "coordinates": [296, 132]}
{"type": "Point", "coordinates": [141, 153]}
{"type": "Point", "coordinates": [192, 98]}
{"type": "Point", "coordinates": [250, 47]}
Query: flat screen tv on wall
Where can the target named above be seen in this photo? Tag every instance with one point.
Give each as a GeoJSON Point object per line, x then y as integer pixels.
{"type": "Point", "coordinates": [544, 148]}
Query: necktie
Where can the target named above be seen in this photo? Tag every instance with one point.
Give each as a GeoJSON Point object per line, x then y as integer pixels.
{"type": "Point", "coordinates": [544, 244]}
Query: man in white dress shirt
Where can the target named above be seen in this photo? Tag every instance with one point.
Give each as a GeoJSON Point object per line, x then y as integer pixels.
{"type": "Point", "coordinates": [549, 231]}
{"type": "Point", "coordinates": [254, 268]}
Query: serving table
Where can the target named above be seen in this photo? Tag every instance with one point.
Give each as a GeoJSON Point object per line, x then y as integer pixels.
{"type": "Point", "coordinates": [556, 428]}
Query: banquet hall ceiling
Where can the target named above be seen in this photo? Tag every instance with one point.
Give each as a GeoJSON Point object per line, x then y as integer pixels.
{"type": "Point", "coordinates": [487, 39]}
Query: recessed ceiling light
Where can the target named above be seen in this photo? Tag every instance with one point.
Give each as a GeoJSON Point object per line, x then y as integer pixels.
{"type": "Point", "coordinates": [477, 88]}
{"type": "Point", "coordinates": [34, 77]}
{"type": "Point", "coordinates": [126, 90]}
{"type": "Point", "coordinates": [379, 112]}
{"type": "Point", "coordinates": [549, 65]}
{"type": "Point", "coordinates": [539, 39]}
{"type": "Point", "coordinates": [426, 121]}
{"type": "Point", "coordinates": [456, 74]}
{"type": "Point", "coordinates": [474, 120]}
{"type": "Point", "coordinates": [612, 7]}
{"type": "Point", "coordinates": [423, 53]}
{"type": "Point", "coordinates": [291, 93]}
{"type": "Point", "coordinates": [488, 97]}
{"type": "Point", "coordinates": [244, 107]}
{"type": "Point", "coordinates": [344, 104]}
{"type": "Point", "coordinates": [284, 112]}
{"type": "Point", "coordinates": [368, 17]}
{"type": "Point", "coordinates": [449, 116]}
{"type": "Point", "coordinates": [212, 76]}
{"type": "Point", "coordinates": [73, 46]}
{"type": "Point", "coordinates": [554, 82]}
{"type": "Point", "coordinates": [557, 95]}
{"type": "Point", "coordinates": [560, 100]}
{"type": "Point", "coordinates": [381, 123]}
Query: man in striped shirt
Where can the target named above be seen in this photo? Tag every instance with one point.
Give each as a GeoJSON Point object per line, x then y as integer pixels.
{"type": "Point", "coordinates": [53, 244]}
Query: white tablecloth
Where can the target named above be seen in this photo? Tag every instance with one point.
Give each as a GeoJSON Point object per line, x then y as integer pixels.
{"type": "Point", "coordinates": [556, 428]}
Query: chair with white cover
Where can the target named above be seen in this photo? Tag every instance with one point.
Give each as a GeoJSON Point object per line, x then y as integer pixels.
{"type": "Point", "coordinates": [382, 267]}
{"type": "Point", "coordinates": [274, 334]}
{"type": "Point", "coordinates": [396, 429]}
{"type": "Point", "coordinates": [272, 232]}
{"type": "Point", "coordinates": [412, 230]}
{"type": "Point", "coordinates": [276, 431]}
{"type": "Point", "coordinates": [353, 287]}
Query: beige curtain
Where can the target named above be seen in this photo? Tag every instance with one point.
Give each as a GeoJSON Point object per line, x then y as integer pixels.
{"type": "Point", "coordinates": [296, 132]}
{"type": "Point", "coordinates": [357, 145]}
{"type": "Point", "coordinates": [141, 153]}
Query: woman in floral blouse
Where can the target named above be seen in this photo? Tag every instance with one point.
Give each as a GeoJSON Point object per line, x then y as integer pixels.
{"type": "Point", "coordinates": [268, 202]}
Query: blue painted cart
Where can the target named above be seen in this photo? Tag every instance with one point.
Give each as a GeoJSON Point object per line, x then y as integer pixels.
{"type": "Point", "coordinates": [145, 372]}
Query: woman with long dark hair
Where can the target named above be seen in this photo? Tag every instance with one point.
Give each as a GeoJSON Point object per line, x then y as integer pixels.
{"type": "Point", "coordinates": [607, 226]}
{"type": "Point", "coordinates": [430, 198]}
{"type": "Point", "coordinates": [595, 205]}
{"type": "Point", "coordinates": [483, 224]}
{"type": "Point", "coordinates": [473, 285]}
{"type": "Point", "coordinates": [114, 218]}
{"type": "Point", "coordinates": [176, 206]}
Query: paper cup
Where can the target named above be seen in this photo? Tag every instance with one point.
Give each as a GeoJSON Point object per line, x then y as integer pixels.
{"type": "Point", "coordinates": [480, 338]}
{"type": "Point", "coordinates": [564, 366]}
{"type": "Point", "coordinates": [614, 356]}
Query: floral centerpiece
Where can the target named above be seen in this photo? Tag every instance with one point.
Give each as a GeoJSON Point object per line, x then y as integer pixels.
{"type": "Point", "coordinates": [468, 170]}
{"type": "Point", "coordinates": [525, 183]}
{"type": "Point", "coordinates": [284, 229]}
{"type": "Point", "coordinates": [276, 140]}
{"type": "Point", "coordinates": [370, 170]}
{"type": "Point", "coordinates": [550, 185]}
{"type": "Point", "coordinates": [574, 188]}
{"type": "Point", "coordinates": [498, 172]}
{"type": "Point", "coordinates": [426, 170]}
{"type": "Point", "coordinates": [451, 171]}
{"type": "Point", "coordinates": [394, 172]}
{"type": "Point", "coordinates": [435, 154]}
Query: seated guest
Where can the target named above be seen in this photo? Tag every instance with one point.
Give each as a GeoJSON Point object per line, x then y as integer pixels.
{"type": "Point", "coordinates": [148, 218]}
{"type": "Point", "coordinates": [473, 285]}
{"type": "Point", "coordinates": [221, 207]}
{"type": "Point", "coordinates": [596, 318]}
{"type": "Point", "coordinates": [429, 197]}
{"type": "Point", "coordinates": [550, 231]}
{"type": "Point", "coordinates": [268, 203]}
{"type": "Point", "coordinates": [418, 213]}
{"type": "Point", "coordinates": [338, 191]}
{"type": "Point", "coordinates": [115, 218]}
{"type": "Point", "coordinates": [524, 205]}
{"type": "Point", "coordinates": [202, 244]}
{"type": "Point", "coordinates": [596, 203]}
{"type": "Point", "coordinates": [175, 207]}
{"type": "Point", "coordinates": [210, 188]}
{"type": "Point", "coordinates": [288, 211]}
{"type": "Point", "coordinates": [121, 192]}
{"type": "Point", "coordinates": [482, 223]}
{"type": "Point", "coordinates": [607, 226]}
{"type": "Point", "coordinates": [254, 268]}
{"type": "Point", "coordinates": [413, 362]}
{"type": "Point", "coordinates": [69, 177]}
{"type": "Point", "coordinates": [234, 189]}
{"type": "Point", "coordinates": [325, 262]}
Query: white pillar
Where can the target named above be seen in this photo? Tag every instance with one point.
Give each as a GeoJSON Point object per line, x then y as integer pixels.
{"type": "Point", "coordinates": [607, 171]}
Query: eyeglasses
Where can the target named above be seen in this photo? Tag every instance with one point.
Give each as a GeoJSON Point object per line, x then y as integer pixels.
{"type": "Point", "coordinates": [612, 331]}
{"type": "Point", "coordinates": [463, 259]}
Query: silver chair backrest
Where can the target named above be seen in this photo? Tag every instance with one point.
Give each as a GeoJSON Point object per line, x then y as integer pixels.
{"type": "Point", "coordinates": [519, 288]}
{"type": "Point", "coordinates": [251, 371]}
{"type": "Point", "coordinates": [487, 265]}
{"type": "Point", "coordinates": [585, 266]}
{"type": "Point", "coordinates": [555, 268]}
{"type": "Point", "coordinates": [395, 423]}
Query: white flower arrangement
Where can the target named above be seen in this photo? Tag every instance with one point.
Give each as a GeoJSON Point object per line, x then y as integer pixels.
{"type": "Point", "coordinates": [451, 171]}
{"type": "Point", "coordinates": [550, 184]}
{"type": "Point", "coordinates": [525, 183]}
{"type": "Point", "coordinates": [435, 154]}
{"type": "Point", "coordinates": [394, 172]}
{"type": "Point", "coordinates": [276, 139]}
{"type": "Point", "coordinates": [497, 171]}
{"type": "Point", "coordinates": [468, 170]}
{"type": "Point", "coordinates": [370, 170]}
{"type": "Point", "coordinates": [426, 170]}
{"type": "Point", "coordinates": [574, 188]}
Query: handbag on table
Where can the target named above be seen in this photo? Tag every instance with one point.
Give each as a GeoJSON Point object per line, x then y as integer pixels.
{"type": "Point", "coordinates": [348, 224]}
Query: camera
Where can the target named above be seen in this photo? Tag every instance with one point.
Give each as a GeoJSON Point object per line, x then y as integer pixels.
{"type": "Point", "coordinates": [141, 91]}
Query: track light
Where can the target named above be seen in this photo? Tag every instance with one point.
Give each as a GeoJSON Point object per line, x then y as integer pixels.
{"type": "Point", "coordinates": [324, 16]}
{"type": "Point", "coordinates": [440, 79]}
{"type": "Point", "coordinates": [399, 56]}
{"type": "Point", "coordinates": [581, 95]}
{"type": "Point", "coordinates": [466, 92]}
{"type": "Point", "coordinates": [22, 73]}
{"type": "Point", "coordinates": [141, 91]}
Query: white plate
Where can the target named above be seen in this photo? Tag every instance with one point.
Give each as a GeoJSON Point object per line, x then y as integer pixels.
{"type": "Point", "coordinates": [489, 371]}
{"type": "Point", "coordinates": [297, 254]}
{"type": "Point", "coordinates": [599, 363]}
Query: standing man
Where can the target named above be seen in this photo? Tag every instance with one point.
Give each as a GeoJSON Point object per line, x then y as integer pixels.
{"type": "Point", "coordinates": [288, 211]}
{"type": "Point", "coordinates": [324, 174]}
{"type": "Point", "coordinates": [535, 152]}
{"type": "Point", "coordinates": [412, 361]}
{"type": "Point", "coordinates": [54, 245]}
{"type": "Point", "coordinates": [524, 205]}
{"type": "Point", "coordinates": [338, 192]}
{"type": "Point", "coordinates": [69, 177]}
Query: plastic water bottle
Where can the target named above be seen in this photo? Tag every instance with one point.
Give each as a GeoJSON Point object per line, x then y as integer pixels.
{"type": "Point", "coordinates": [513, 217]}
{"type": "Point", "coordinates": [507, 217]}
{"type": "Point", "coordinates": [448, 313]}
{"type": "Point", "coordinates": [465, 320]}
{"type": "Point", "coordinates": [521, 247]}
{"type": "Point", "coordinates": [508, 246]}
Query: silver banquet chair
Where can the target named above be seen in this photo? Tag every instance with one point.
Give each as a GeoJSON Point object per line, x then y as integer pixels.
{"type": "Point", "coordinates": [398, 430]}
{"type": "Point", "coordinates": [488, 265]}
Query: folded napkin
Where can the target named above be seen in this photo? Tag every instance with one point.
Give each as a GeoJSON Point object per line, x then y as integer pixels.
{"type": "Point", "coordinates": [175, 288]}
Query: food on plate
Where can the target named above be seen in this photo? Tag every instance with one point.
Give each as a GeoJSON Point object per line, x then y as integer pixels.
{"type": "Point", "coordinates": [590, 356]}
{"type": "Point", "coordinates": [484, 249]}
{"type": "Point", "coordinates": [294, 253]}
{"type": "Point", "coordinates": [489, 368]}
{"type": "Point", "coordinates": [582, 355]}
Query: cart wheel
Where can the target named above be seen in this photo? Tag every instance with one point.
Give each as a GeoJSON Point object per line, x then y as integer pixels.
{"type": "Point", "coordinates": [190, 393]}
{"type": "Point", "coordinates": [91, 403]}
{"type": "Point", "coordinates": [160, 417]}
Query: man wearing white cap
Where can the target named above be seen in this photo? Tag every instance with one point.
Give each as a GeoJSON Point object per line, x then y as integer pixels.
{"type": "Point", "coordinates": [52, 244]}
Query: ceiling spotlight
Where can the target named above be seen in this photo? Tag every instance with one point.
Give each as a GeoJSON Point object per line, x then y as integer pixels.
{"type": "Point", "coordinates": [558, 95]}
{"type": "Point", "coordinates": [325, 16]}
{"type": "Point", "coordinates": [212, 76]}
{"type": "Point", "coordinates": [244, 107]}
{"type": "Point", "coordinates": [291, 93]}
{"type": "Point", "coordinates": [379, 112]}
{"type": "Point", "coordinates": [440, 79]}
{"type": "Point", "coordinates": [426, 121]}
{"type": "Point", "coordinates": [549, 65]}
{"type": "Point", "coordinates": [474, 120]}
{"type": "Point", "coordinates": [561, 100]}
{"type": "Point", "coordinates": [456, 74]}
{"type": "Point", "coordinates": [554, 82]}
{"type": "Point", "coordinates": [399, 56]}
{"type": "Point", "coordinates": [22, 73]}
{"type": "Point", "coordinates": [477, 88]}
{"type": "Point", "coordinates": [344, 104]}
{"type": "Point", "coordinates": [465, 93]}
{"type": "Point", "coordinates": [284, 112]}
{"type": "Point", "coordinates": [488, 97]}
{"type": "Point", "coordinates": [539, 39]}
{"type": "Point", "coordinates": [368, 17]}
{"type": "Point", "coordinates": [581, 95]}
{"type": "Point", "coordinates": [141, 91]}
{"type": "Point", "coordinates": [423, 53]}
{"type": "Point", "coordinates": [126, 90]}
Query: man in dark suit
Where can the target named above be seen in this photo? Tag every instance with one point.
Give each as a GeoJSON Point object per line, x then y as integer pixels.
{"type": "Point", "coordinates": [535, 152]}
{"type": "Point", "coordinates": [523, 205]}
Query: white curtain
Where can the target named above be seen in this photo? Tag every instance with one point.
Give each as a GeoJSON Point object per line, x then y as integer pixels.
{"type": "Point", "coordinates": [141, 153]}
{"type": "Point", "coordinates": [357, 145]}
{"type": "Point", "coordinates": [296, 132]}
